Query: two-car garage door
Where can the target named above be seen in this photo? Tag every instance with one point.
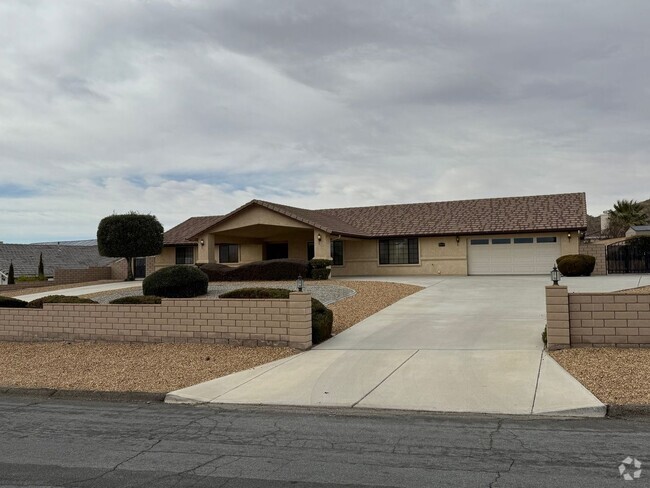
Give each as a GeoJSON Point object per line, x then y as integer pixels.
{"type": "Point", "coordinates": [512, 255]}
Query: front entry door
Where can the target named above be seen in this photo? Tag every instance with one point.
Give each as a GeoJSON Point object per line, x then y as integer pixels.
{"type": "Point", "coordinates": [140, 267]}
{"type": "Point", "coordinates": [275, 250]}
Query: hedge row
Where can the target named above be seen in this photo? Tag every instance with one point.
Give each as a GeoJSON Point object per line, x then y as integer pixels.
{"type": "Point", "coordinates": [322, 317]}
{"type": "Point", "coordinates": [271, 270]}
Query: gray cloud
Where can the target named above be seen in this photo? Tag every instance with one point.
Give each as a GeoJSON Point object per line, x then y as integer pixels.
{"type": "Point", "coordinates": [187, 108]}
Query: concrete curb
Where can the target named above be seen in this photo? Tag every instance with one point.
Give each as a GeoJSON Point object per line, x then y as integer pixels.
{"type": "Point", "coordinates": [109, 396]}
{"type": "Point", "coordinates": [628, 410]}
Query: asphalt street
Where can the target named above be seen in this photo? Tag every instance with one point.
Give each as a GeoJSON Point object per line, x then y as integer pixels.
{"type": "Point", "coordinates": [71, 443]}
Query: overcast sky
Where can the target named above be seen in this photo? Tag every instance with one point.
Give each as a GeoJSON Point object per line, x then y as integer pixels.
{"type": "Point", "coordinates": [182, 108]}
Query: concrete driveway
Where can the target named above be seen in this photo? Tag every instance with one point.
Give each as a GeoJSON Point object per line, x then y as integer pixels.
{"type": "Point", "coordinates": [463, 344]}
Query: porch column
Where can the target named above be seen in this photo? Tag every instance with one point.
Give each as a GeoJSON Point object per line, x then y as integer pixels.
{"type": "Point", "coordinates": [322, 246]}
{"type": "Point", "coordinates": [207, 251]}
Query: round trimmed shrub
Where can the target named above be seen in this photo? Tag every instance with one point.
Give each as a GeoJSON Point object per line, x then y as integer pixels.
{"type": "Point", "coordinates": [322, 317]}
{"type": "Point", "coordinates": [320, 274]}
{"type": "Point", "coordinates": [137, 300]}
{"type": "Point", "coordinates": [38, 303]}
{"type": "Point", "coordinates": [576, 264]}
{"type": "Point", "coordinates": [8, 302]}
{"type": "Point", "coordinates": [176, 282]}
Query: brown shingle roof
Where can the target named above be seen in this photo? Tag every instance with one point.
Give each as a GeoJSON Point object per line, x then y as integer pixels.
{"type": "Point", "coordinates": [483, 216]}
{"type": "Point", "coordinates": [183, 232]}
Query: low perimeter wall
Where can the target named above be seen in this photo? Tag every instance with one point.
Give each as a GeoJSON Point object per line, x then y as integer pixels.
{"type": "Point", "coordinates": [64, 276]}
{"type": "Point", "coordinates": [596, 319]}
{"type": "Point", "coordinates": [217, 321]}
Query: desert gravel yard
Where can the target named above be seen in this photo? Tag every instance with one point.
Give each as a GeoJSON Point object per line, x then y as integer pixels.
{"type": "Point", "coordinates": [617, 376]}
{"type": "Point", "coordinates": [166, 367]}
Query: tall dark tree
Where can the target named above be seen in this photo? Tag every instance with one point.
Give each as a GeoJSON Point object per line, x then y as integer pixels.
{"type": "Point", "coordinates": [129, 236]}
{"type": "Point", "coordinates": [41, 269]}
{"type": "Point", "coordinates": [625, 214]}
{"type": "Point", "coordinates": [11, 280]}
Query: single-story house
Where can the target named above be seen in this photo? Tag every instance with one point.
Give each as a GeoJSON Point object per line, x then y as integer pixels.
{"type": "Point", "coordinates": [514, 235]}
{"type": "Point", "coordinates": [638, 230]}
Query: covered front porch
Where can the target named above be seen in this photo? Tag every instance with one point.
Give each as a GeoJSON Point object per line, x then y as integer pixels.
{"type": "Point", "coordinates": [256, 234]}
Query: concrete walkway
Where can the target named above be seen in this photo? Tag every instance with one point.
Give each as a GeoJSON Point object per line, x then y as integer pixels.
{"type": "Point", "coordinates": [83, 290]}
{"type": "Point", "coordinates": [463, 344]}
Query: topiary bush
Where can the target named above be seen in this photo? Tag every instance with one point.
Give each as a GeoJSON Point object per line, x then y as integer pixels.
{"type": "Point", "coordinates": [319, 268]}
{"type": "Point", "coordinates": [38, 303]}
{"type": "Point", "coordinates": [176, 282]}
{"type": "Point", "coordinates": [322, 317]}
{"type": "Point", "coordinates": [8, 302]}
{"type": "Point", "coordinates": [576, 264]}
{"type": "Point", "coordinates": [271, 270]}
{"type": "Point", "coordinates": [137, 300]}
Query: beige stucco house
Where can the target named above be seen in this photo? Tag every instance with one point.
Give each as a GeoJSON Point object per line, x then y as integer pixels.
{"type": "Point", "coordinates": [514, 235]}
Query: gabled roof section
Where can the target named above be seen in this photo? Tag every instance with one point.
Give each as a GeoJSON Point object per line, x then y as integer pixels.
{"type": "Point", "coordinates": [566, 211]}
{"type": "Point", "coordinates": [184, 232]}
{"type": "Point", "coordinates": [25, 258]}
{"type": "Point", "coordinates": [489, 215]}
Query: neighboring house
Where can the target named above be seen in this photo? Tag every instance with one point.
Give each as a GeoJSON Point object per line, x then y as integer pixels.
{"type": "Point", "coordinates": [515, 235]}
{"type": "Point", "coordinates": [638, 230]}
{"type": "Point", "coordinates": [25, 258]}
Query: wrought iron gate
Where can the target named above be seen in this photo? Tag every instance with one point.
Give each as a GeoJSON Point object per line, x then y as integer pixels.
{"type": "Point", "coordinates": [624, 257]}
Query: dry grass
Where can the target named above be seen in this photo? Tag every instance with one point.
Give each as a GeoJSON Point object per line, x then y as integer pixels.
{"type": "Point", "coordinates": [165, 367]}
{"type": "Point", "coordinates": [614, 375]}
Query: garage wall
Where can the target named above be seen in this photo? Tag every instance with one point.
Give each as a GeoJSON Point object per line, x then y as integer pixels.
{"type": "Point", "coordinates": [361, 258]}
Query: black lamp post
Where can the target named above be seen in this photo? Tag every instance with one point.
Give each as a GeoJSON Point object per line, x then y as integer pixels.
{"type": "Point", "coordinates": [300, 283]}
{"type": "Point", "coordinates": [555, 275]}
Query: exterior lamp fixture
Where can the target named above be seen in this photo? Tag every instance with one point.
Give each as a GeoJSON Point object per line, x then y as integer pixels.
{"type": "Point", "coordinates": [202, 242]}
{"type": "Point", "coordinates": [300, 283]}
{"type": "Point", "coordinates": [555, 275]}
{"type": "Point", "coordinates": [569, 235]}
{"type": "Point", "coordinates": [318, 237]}
{"type": "Point", "coordinates": [457, 239]}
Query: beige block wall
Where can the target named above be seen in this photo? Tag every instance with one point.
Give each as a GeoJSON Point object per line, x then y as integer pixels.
{"type": "Point", "coordinates": [239, 322]}
{"type": "Point", "coordinates": [81, 275]}
{"type": "Point", "coordinates": [599, 251]}
{"type": "Point", "coordinates": [596, 319]}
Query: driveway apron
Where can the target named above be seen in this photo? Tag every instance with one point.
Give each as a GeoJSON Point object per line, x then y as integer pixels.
{"type": "Point", "coordinates": [462, 344]}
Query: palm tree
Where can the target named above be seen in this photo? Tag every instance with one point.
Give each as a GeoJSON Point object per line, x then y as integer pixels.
{"type": "Point", "coordinates": [625, 214]}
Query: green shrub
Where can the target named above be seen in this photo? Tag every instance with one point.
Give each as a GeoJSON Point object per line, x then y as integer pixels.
{"type": "Point", "coordinates": [176, 282]}
{"type": "Point", "coordinates": [320, 263]}
{"type": "Point", "coordinates": [137, 300]}
{"type": "Point", "coordinates": [41, 268]}
{"type": "Point", "coordinates": [262, 293]}
{"type": "Point", "coordinates": [8, 302]}
{"type": "Point", "coordinates": [545, 335]}
{"type": "Point", "coordinates": [319, 269]}
{"type": "Point", "coordinates": [576, 264]}
{"type": "Point", "coordinates": [38, 303]}
{"type": "Point", "coordinates": [29, 279]}
{"type": "Point", "coordinates": [11, 280]}
{"type": "Point", "coordinates": [322, 317]}
{"type": "Point", "coordinates": [320, 274]}
{"type": "Point", "coordinates": [271, 270]}
{"type": "Point", "coordinates": [322, 320]}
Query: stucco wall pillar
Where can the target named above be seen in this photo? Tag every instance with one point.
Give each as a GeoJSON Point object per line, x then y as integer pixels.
{"type": "Point", "coordinates": [206, 252]}
{"type": "Point", "coordinates": [558, 335]}
{"type": "Point", "coordinates": [322, 246]}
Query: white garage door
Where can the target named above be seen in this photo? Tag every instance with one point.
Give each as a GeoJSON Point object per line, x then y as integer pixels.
{"type": "Point", "coordinates": [512, 255]}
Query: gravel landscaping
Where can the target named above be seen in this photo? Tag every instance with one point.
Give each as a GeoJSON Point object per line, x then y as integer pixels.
{"type": "Point", "coordinates": [616, 376]}
{"type": "Point", "coordinates": [326, 292]}
{"type": "Point", "coordinates": [167, 367]}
